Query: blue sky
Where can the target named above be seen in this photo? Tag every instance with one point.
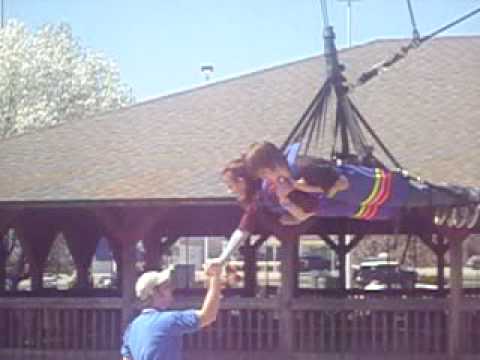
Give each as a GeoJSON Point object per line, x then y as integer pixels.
{"type": "Point", "coordinates": [160, 45]}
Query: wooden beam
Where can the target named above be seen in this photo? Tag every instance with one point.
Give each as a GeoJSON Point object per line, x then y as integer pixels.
{"type": "Point", "coordinates": [127, 227]}
{"type": "Point", "coordinates": [36, 232]}
{"type": "Point", "coordinates": [427, 240]}
{"type": "Point", "coordinates": [6, 221]}
{"type": "Point", "coordinates": [153, 252]}
{"type": "Point", "coordinates": [4, 252]}
{"type": "Point", "coordinates": [329, 241]}
{"type": "Point", "coordinates": [82, 233]}
{"type": "Point", "coordinates": [442, 248]}
{"type": "Point", "coordinates": [168, 241]}
{"type": "Point", "coordinates": [354, 242]}
{"type": "Point", "coordinates": [342, 255]}
{"type": "Point", "coordinates": [288, 289]}
{"type": "Point", "coordinates": [455, 331]}
{"type": "Point", "coordinates": [250, 269]}
{"type": "Point", "coordinates": [128, 279]}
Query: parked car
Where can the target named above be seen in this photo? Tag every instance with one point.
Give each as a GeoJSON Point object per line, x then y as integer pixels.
{"type": "Point", "coordinates": [314, 262]}
{"type": "Point", "coordinates": [473, 262]}
{"type": "Point", "coordinates": [385, 272]}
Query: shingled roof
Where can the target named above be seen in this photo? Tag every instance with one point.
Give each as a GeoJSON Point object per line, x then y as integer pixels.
{"type": "Point", "coordinates": [426, 109]}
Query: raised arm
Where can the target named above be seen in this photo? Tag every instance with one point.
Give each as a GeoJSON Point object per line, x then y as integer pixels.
{"type": "Point", "coordinates": [299, 215]}
{"type": "Point", "coordinates": [341, 184]}
{"type": "Point", "coordinates": [283, 191]}
{"type": "Point", "coordinates": [244, 229]}
{"type": "Point", "coordinates": [302, 185]}
{"type": "Point", "coordinates": [208, 312]}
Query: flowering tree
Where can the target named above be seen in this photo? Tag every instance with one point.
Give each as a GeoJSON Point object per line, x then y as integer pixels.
{"type": "Point", "coordinates": [46, 78]}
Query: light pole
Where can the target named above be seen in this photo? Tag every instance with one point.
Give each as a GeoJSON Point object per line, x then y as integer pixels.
{"type": "Point", "coordinates": [349, 19]}
{"type": "Point", "coordinates": [3, 14]}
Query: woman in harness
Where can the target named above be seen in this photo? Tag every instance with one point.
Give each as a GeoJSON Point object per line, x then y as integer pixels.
{"type": "Point", "coordinates": [338, 191]}
{"type": "Point", "coordinates": [294, 188]}
{"type": "Point", "coordinates": [304, 186]}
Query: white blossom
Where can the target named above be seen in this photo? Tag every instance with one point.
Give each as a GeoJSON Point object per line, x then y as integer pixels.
{"type": "Point", "coordinates": [47, 78]}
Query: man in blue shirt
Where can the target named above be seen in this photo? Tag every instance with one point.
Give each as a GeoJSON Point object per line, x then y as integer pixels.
{"type": "Point", "coordinates": [157, 333]}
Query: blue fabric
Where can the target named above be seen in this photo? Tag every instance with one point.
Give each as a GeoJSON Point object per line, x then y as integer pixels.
{"type": "Point", "coordinates": [347, 203]}
{"type": "Point", "coordinates": [291, 153]}
{"type": "Point", "coordinates": [157, 335]}
{"type": "Point", "coordinates": [361, 179]}
{"type": "Point", "coordinates": [361, 200]}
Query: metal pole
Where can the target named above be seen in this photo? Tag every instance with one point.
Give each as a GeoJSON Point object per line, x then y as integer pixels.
{"type": "Point", "coordinates": [349, 20]}
{"type": "Point", "coordinates": [3, 14]}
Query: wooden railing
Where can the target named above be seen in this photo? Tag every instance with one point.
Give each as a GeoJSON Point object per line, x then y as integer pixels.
{"type": "Point", "coordinates": [471, 326]}
{"type": "Point", "coordinates": [48, 327]}
{"type": "Point", "coordinates": [322, 327]}
{"type": "Point", "coordinates": [242, 324]}
{"type": "Point", "coordinates": [60, 324]}
{"type": "Point", "coordinates": [371, 326]}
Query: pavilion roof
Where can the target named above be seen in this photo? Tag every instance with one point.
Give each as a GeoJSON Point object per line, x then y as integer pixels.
{"type": "Point", "coordinates": [426, 109]}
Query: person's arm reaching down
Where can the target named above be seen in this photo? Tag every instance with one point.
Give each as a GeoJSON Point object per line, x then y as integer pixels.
{"type": "Point", "coordinates": [237, 238]}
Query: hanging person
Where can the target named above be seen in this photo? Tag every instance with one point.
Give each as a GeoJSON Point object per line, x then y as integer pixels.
{"type": "Point", "coordinates": [295, 188]}
{"type": "Point", "coordinates": [344, 190]}
{"type": "Point", "coordinates": [249, 196]}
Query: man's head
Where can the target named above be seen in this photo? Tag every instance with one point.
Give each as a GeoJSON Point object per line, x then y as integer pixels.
{"type": "Point", "coordinates": [264, 160]}
{"type": "Point", "coordinates": [154, 288]}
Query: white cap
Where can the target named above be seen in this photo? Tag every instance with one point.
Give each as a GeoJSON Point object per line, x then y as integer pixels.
{"type": "Point", "coordinates": [149, 280]}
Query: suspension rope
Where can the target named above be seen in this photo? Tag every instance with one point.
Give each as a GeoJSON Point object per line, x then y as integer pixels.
{"type": "Point", "coordinates": [448, 26]}
{"type": "Point", "coordinates": [415, 33]}
{"type": "Point", "coordinates": [372, 133]}
{"type": "Point", "coordinates": [306, 117]}
{"type": "Point", "coordinates": [324, 13]}
{"type": "Point", "coordinates": [415, 43]}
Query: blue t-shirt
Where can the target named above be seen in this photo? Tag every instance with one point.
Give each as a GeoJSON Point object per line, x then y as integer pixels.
{"type": "Point", "coordinates": [155, 335]}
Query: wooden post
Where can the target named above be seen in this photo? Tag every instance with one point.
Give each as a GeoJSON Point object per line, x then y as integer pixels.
{"type": "Point", "coordinates": [441, 270]}
{"type": "Point", "coordinates": [439, 247]}
{"type": "Point", "coordinates": [250, 269]}
{"type": "Point", "coordinates": [81, 233]}
{"type": "Point", "coordinates": [342, 263]}
{"type": "Point", "coordinates": [288, 287]}
{"type": "Point", "coordinates": [440, 250]}
{"type": "Point", "coordinates": [128, 278]}
{"type": "Point", "coordinates": [153, 252]}
{"type": "Point", "coordinates": [4, 252]}
{"type": "Point", "coordinates": [36, 232]}
{"type": "Point", "coordinates": [6, 217]}
{"type": "Point", "coordinates": [126, 227]}
{"type": "Point", "coordinates": [455, 300]}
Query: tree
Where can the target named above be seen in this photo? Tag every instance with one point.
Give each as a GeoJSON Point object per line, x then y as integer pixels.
{"type": "Point", "coordinates": [47, 78]}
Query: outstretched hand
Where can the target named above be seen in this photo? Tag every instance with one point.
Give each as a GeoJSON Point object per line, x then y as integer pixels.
{"type": "Point", "coordinates": [213, 268]}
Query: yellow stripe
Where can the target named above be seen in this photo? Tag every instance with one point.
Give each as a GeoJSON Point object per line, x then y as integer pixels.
{"type": "Point", "coordinates": [376, 187]}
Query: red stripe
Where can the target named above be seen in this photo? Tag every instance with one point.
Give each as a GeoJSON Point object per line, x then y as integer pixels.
{"type": "Point", "coordinates": [367, 214]}
{"type": "Point", "coordinates": [385, 195]}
